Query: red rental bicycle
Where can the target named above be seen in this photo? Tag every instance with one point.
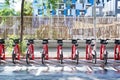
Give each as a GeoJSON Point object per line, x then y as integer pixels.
{"type": "Point", "coordinates": [117, 50]}
{"type": "Point", "coordinates": [103, 51]}
{"type": "Point", "coordinates": [75, 52]}
{"type": "Point", "coordinates": [16, 50]}
{"type": "Point", "coordinates": [30, 51]}
{"type": "Point", "coordinates": [90, 52]}
{"type": "Point", "coordinates": [44, 52]}
{"type": "Point", "coordinates": [59, 50]}
{"type": "Point", "coordinates": [2, 49]}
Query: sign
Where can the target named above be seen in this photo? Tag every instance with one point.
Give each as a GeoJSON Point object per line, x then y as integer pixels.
{"type": "Point", "coordinates": [118, 6]}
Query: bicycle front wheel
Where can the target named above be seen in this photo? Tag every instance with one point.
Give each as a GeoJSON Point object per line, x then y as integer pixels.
{"type": "Point", "coordinates": [61, 57]}
{"type": "Point", "coordinates": [77, 57]}
{"type": "Point", "coordinates": [43, 58]}
{"type": "Point", "coordinates": [14, 58]}
{"type": "Point", "coordinates": [27, 59]}
{"type": "Point", "coordinates": [105, 57]}
{"type": "Point", "coordinates": [94, 57]}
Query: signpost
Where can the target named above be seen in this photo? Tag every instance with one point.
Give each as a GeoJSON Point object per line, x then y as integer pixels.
{"type": "Point", "coordinates": [95, 36]}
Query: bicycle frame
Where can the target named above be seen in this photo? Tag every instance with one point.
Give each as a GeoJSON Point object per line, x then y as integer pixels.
{"type": "Point", "coordinates": [17, 51]}
{"type": "Point", "coordinates": [74, 49]}
{"type": "Point", "coordinates": [31, 51]}
{"type": "Point", "coordinates": [2, 51]}
{"type": "Point", "coordinates": [89, 49]}
{"type": "Point", "coordinates": [117, 50]}
{"type": "Point", "coordinates": [45, 48]}
{"type": "Point", "coordinates": [102, 49]}
{"type": "Point", "coordinates": [88, 52]}
{"type": "Point", "coordinates": [59, 48]}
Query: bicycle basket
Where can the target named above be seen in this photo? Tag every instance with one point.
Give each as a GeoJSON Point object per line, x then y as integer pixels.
{"type": "Point", "coordinates": [103, 42]}
{"type": "Point", "coordinates": [2, 41]}
{"type": "Point", "coordinates": [59, 41]}
{"type": "Point", "coordinates": [16, 41]}
{"type": "Point", "coordinates": [31, 41]}
{"type": "Point", "coordinates": [117, 42]}
{"type": "Point", "coordinates": [88, 41]}
{"type": "Point", "coordinates": [45, 42]}
{"type": "Point", "coordinates": [74, 41]}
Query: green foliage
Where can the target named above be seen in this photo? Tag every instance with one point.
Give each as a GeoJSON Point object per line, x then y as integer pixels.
{"type": "Point", "coordinates": [28, 8]}
{"type": "Point", "coordinates": [53, 3]}
{"type": "Point", "coordinates": [7, 12]}
{"type": "Point", "coordinates": [7, 2]}
{"type": "Point", "coordinates": [9, 44]}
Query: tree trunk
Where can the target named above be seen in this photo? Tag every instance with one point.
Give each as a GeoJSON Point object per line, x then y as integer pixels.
{"type": "Point", "coordinates": [22, 21]}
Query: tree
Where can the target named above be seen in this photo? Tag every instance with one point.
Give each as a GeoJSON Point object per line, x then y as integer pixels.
{"type": "Point", "coordinates": [22, 14]}
{"type": "Point", "coordinates": [28, 10]}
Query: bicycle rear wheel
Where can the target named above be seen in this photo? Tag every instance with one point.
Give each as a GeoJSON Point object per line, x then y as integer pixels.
{"type": "Point", "coordinates": [14, 58]}
{"type": "Point", "coordinates": [61, 57]}
{"type": "Point", "coordinates": [94, 57]}
{"type": "Point", "coordinates": [27, 58]}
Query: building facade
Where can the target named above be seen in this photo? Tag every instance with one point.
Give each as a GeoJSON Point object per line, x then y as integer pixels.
{"type": "Point", "coordinates": [74, 8]}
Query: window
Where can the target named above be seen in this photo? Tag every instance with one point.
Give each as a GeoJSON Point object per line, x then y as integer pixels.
{"type": "Point", "coordinates": [81, 1]}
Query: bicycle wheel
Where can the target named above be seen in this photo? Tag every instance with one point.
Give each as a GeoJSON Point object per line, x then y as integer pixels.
{"type": "Point", "coordinates": [14, 58]}
{"type": "Point", "coordinates": [77, 57]}
{"type": "Point", "coordinates": [0, 59]}
{"type": "Point", "coordinates": [105, 57]}
{"type": "Point", "coordinates": [94, 59]}
{"type": "Point", "coordinates": [27, 58]}
{"type": "Point", "coordinates": [43, 58]}
{"type": "Point", "coordinates": [61, 57]}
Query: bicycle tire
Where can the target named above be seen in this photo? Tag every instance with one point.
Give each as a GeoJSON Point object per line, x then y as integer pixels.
{"type": "Point", "coordinates": [105, 58]}
{"type": "Point", "coordinates": [0, 59]}
{"type": "Point", "coordinates": [77, 58]}
{"type": "Point", "coordinates": [14, 58]}
{"type": "Point", "coordinates": [94, 57]}
{"type": "Point", "coordinates": [27, 58]}
{"type": "Point", "coordinates": [43, 58]}
{"type": "Point", "coordinates": [61, 57]}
